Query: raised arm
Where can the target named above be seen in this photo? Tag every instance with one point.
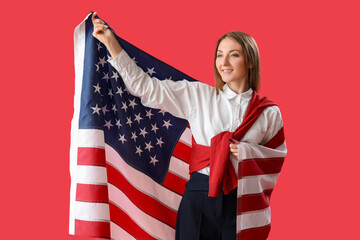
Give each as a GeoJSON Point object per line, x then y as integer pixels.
{"type": "Point", "coordinates": [180, 98]}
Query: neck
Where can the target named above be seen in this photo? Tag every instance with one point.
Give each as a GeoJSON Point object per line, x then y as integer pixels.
{"type": "Point", "coordinates": [239, 87]}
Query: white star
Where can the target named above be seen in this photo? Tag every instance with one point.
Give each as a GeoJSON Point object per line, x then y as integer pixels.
{"type": "Point", "coordinates": [124, 106]}
{"type": "Point", "coordinates": [132, 103]}
{"type": "Point", "coordinates": [159, 141]}
{"type": "Point", "coordinates": [97, 68]}
{"type": "Point", "coordinates": [138, 118]}
{"type": "Point", "coordinates": [114, 108]}
{"type": "Point", "coordinates": [104, 109]}
{"type": "Point", "coordinates": [106, 76]}
{"type": "Point", "coordinates": [109, 57]}
{"type": "Point", "coordinates": [122, 138]}
{"type": "Point", "coordinates": [153, 160]}
{"type": "Point", "coordinates": [148, 146]}
{"type": "Point", "coordinates": [138, 150]}
{"type": "Point", "coordinates": [149, 114]}
{"type": "Point", "coordinates": [96, 109]}
{"type": "Point", "coordinates": [150, 71]}
{"type": "Point", "coordinates": [162, 111]}
{"type": "Point", "coordinates": [115, 75]}
{"type": "Point", "coordinates": [99, 46]}
{"type": "Point", "coordinates": [110, 93]}
{"type": "Point", "coordinates": [154, 128]}
{"type": "Point", "coordinates": [108, 124]}
{"type": "Point", "coordinates": [167, 124]}
{"type": "Point", "coordinates": [129, 122]}
{"type": "Point", "coordinates": [168, 78]}
{"type": "Point", "coordinates": [119, 91]}
{"type": "Point", "coordinates": [143, 132]}
{"type": "Point", "coordinates": [118, 124]}
{"type": "Point", "coordinates": [97, 88]}
{"type": "Point", "coordinates": [102, 61]}
{"type": "Point", "coordinates": [134, 60]}
{"type": "Point", "coordinates": [133, 136]}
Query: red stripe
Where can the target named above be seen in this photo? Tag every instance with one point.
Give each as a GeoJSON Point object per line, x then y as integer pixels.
{"type": "Point", "coordinates": [260, 166]}
{"type": "Point", "coordinates": [92, 229]}
{"type": "Point", "coordinates": [174, 183]}
{"type": "Point", "coordinates": [125, 222]}
{"type": "Point", "coordinates": [182, 151]}
{"type": "Point", "coordinates": [260, 233]}
{"type": "Point", "coordinates": [277, 140]}
{"type": "Point", "coordinates": [91, 156]}
{"type": "Point", "coordinates": [252, 202]}
{"type": "Point", "coordinates": [144, 202]}
{"type": "Point", "coordinates": [92, 193]}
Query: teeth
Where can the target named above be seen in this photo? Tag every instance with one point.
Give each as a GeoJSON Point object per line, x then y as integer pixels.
{"type": "Point", "coordinates": [226, 70]}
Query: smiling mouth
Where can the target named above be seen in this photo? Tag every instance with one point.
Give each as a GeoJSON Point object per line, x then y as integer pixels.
{"type": "Point", "coordinates": [227, 71]}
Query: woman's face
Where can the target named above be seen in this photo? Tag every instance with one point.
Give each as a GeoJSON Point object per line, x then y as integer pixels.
{"type": "Point", "coordinates": [230, 63]}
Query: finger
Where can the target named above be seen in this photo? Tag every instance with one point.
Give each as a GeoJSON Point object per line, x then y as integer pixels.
{"type": "Point", "coordinates": [98, 22]}
{"type": "Point", "coordinates": [100, 28]}
{"type": "Point", "coordinates": [233, 150]}
{"type": "Point", "coordinates": [233, 146]}
{"type": "Point", "coordinates": [93, 17]}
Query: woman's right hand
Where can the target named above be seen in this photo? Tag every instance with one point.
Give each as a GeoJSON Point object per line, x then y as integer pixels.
{"type": "Point", "coordinates": [105, 36]}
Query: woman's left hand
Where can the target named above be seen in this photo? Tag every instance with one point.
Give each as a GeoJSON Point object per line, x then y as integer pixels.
{"type": "Point", "coordinates": [234, 150]}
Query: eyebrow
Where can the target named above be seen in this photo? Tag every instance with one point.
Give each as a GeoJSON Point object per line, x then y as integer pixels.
{"type": "Point", "coordinates": [232, 50]}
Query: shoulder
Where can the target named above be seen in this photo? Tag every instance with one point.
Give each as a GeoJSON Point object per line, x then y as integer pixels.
{"type": "Point", "coordinates": [271, 117]}
{"type": "Point", "coordinates": [272, 110]}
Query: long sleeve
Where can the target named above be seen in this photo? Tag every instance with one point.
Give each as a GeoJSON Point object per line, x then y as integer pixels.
{"type": "Point", "coordinates": [175, 97]}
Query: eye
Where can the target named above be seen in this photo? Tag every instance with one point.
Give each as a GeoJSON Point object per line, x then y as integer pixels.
{"type": "Point", "coordinates": [219, 55]}
{"type": "Point", "coordinates": [234, 55]}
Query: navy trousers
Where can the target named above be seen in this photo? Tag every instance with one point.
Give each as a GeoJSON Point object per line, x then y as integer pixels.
{"type": "Point", "coordinates": [203, 217]}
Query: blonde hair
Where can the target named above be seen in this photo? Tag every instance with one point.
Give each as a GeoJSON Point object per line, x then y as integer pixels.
{"type": "Point", "coordinates": [251, 55]}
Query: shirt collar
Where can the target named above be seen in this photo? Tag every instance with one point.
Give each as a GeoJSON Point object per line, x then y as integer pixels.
{"type": "Point", "coordinates": [230, 94]}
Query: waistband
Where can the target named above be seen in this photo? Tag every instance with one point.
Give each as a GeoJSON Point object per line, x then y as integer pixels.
{"type": "Point", "coordinates": [198, 181]}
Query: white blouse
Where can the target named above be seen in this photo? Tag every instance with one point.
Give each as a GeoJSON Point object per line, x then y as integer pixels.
{"type": "Point", "coordinates": [208, 113]}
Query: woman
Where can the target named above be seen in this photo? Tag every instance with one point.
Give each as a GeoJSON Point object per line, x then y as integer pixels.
{"type": "Point", "coordinates": [230, 111]}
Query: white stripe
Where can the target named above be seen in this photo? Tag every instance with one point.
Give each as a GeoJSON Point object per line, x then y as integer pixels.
{"type": "Point", "coordinates": [91, 175]}
{"type": "Point", "coordinates": [79, 51]}
{"type": "Point", "coordinates": [179, 168]}
{"type": "Point", "coordinates": [141, 181]}
{"type": "Point", "coordinates": [253, 219]}
{"type": "Point", "coordinates": [251, 150]}
{"type": "Point", "coordinates": [118, 233]}
{"type": "Point", "coordinates": [88, 211]}
{"type": "Point", "coordinates": [256, 184]}
{"type": "Point", "coordinates": [186, 137]}
{"type": "Point", "coordinates": [152, 226]}
{"type": "Point", "coordinates": [91, 138]}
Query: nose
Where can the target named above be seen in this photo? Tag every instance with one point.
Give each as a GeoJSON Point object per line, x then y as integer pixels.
{"type": "Point", "coordinates": [225, 61]}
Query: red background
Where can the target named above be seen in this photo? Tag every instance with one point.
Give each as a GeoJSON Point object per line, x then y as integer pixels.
{"type": "Point", "coordinates": [309, 56]}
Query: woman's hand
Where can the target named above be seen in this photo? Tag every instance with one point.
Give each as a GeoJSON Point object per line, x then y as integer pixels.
{"type": "Point", "coordinates": [104, 35]}
{"type": "Point", "coordinates": [234, 150]}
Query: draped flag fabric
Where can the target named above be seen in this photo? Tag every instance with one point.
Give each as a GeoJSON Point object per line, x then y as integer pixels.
{"type": "Point", "coordinates": [128, 163]}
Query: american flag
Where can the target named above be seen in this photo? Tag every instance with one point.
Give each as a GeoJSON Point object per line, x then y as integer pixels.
{"type": "Point", "coordinates": [128, 163]}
